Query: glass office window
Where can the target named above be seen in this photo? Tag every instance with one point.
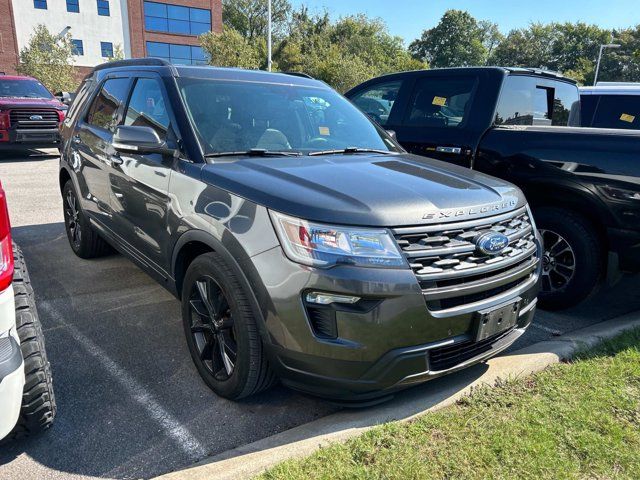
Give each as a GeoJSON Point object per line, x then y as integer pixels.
{"type": "Point", "coordinates": [177, 54]}
{"type": "Point", "coordinates": [106, 49]}
{"type": "Point", "coordinates": [41, 4]}
{"type": "Point", "coordinates": [73, 6]}
{"type": "Point", "coordinates": [177, 19]}
{"type": "Point", "coordinates": [77, 47]}
{"type": "Point", "coordinates": [103, 8]}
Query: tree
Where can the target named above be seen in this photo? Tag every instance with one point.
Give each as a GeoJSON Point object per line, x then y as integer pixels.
{"type": "Point", "coordinates": [623, 64]}
{"type": "Point", "coordinates": [490, 35]}
{"type": "Point", "coordinates": [457, 41]}
{"type": "Point", "coordinates": [526, 47]}
{"type": "Point", "coordinates": [249, 17]}
{"type": "Point", "coordinates": [49, 58]}
{"type": "Point", "coordinates": [229, 49]}
{"type": "Point", "coordinates": [344, 53]}
{"type": "Point", "coordinates": [118, 54]}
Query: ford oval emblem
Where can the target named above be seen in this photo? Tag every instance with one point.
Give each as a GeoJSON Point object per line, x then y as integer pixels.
{"type": "Point", "coordinates": [35, 117]}
{"type": "Point", "coordinates": [491, 243]}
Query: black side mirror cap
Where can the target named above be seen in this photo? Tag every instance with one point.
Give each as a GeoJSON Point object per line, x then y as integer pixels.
{"type": "Point", "coordinates": [141, 140]}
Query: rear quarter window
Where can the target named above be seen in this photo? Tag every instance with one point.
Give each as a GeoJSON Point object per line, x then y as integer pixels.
{"type": "Point", "coordinates": [537, 101]}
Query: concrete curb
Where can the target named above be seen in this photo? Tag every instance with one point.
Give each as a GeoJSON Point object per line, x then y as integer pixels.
{"type": "Point", "coordinates": [254, 458]}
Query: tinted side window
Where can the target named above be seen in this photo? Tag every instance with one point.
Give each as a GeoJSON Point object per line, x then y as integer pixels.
{"type": "Point", "coordinates": [104, 110]}
{"type": "Point", "coordinates": [147, 107]}
{"type": "Point", "coordinates": [377, 100]}
{"type": "Point", "coordinates": [440, 102]}
{"type": "Point", "coordinates": [534, 101]}
{"type": "Point", "coordinates": [588, 104]}
{"type": "Point", "coordinates": [618, 111]}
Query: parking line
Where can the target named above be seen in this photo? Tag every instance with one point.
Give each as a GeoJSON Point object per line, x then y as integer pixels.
{"type": "Point", "coordinates": [170, 425]}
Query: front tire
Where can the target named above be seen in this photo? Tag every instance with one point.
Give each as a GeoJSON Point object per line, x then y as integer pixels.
{"type": "Point", "coordinates": [38, 400]}
{"type": "Point", "coordinates": [572, 258]}
{"type": "Point", "coordinates": [83, 239]}
{"type": "Point", "coordinates": [221, 330]}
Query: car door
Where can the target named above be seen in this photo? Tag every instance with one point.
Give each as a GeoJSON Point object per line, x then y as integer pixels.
{"type": "Point", "coordinates": [435, 118]}
{"type": "Point", "coordinates": [91, 149]}
{"type": "Point", "coordinates": [141, 181]}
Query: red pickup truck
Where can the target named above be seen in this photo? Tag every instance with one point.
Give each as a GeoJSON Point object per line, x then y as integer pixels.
{"type": "Point", "coordinates": [30, 116]}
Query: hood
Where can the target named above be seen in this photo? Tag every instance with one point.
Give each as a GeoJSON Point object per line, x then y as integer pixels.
{"type": "Point", "coordinates": [366, 190]}
{"type": "Point", "coordinates": [18, 102]}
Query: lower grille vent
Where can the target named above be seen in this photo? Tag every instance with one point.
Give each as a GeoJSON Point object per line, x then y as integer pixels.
{"type": "Point", "coordinates": [444, 358]}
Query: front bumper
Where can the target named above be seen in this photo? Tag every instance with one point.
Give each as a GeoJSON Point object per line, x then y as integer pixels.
{"type": "Point", "coordinates": [11, 365]}
{"type": "Point", "coordinates": [389, 344]}
{"type": "Point", "coordinates": [29, 138]}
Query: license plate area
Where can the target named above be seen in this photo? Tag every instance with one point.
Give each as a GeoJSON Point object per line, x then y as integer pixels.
{"type": "Point", "coordinates": [493, 321]}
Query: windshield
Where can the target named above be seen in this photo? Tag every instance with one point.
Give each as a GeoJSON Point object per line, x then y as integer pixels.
{"type": "Point", "coordinates": [23, 89]}
{"type": "Point", "coordinates": [231, 116]}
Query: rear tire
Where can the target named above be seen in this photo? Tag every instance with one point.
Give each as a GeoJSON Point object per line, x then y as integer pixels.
{"type": "Point", "coordinates": [238, 368]}
{"type": "Point", "coordinates": [572, 258]}
{"type": "Point", "coordinates": [83, 239]}
{"type": "Point", "coordinates": [38, 400]}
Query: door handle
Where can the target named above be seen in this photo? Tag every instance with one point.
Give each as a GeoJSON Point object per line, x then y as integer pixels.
{"type": "Point", "coordinates": [454, 150]}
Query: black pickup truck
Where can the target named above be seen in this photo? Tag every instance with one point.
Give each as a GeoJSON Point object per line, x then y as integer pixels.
{"type": "Point", "coordinates": [522, 125]}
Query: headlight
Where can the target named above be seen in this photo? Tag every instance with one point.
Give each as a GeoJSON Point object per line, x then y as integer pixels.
{"type": "Point", "coordinates": [320, 245]}
{"type": "Point", "coordinates": [617, 193]}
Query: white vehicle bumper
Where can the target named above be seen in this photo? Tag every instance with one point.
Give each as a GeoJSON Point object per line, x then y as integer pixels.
{"type": "Point", "coordinates": [11, 365]}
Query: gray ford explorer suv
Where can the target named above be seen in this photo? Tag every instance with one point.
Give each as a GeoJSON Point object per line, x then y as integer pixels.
{"type": "Point", "coordinates": [303, 242]}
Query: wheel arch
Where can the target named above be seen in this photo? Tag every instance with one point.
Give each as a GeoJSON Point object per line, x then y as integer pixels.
{"type": "Point", "coordinates": [580, 201]}
{"type": "Point", "coordinates": [63, 177]}
{"type": "Point", "coordinates": [193, 243]}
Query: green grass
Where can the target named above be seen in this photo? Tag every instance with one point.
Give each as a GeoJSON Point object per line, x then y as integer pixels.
{"type": "Point", "coordinates": [579, 420]}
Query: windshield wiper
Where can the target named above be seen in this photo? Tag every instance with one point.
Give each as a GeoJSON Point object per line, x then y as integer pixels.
{"type": "Point", "coordinates": [254, 152]}
{"type": "Point", "coordinates": [350, 150]}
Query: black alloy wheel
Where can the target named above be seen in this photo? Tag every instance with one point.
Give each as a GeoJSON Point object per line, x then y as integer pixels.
{"type": "Point", "coordinates": [221, 329]}
{"type": "Point", "coordinates": [558, 261]}
{"type": "Point", "coordinates": [212, 328]}
{"type": "Point", "coordinates": [572, 259]}
{"type": "Point", "coordinates": [71, 216]}
{"type": "Point", "coordinates": [83, 239]}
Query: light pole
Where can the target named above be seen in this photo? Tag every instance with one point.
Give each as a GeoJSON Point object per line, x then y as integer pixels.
{"type": "Point", "coordinates": [602, 47]}
{"type": "Point", "coordinates": [269, 61]}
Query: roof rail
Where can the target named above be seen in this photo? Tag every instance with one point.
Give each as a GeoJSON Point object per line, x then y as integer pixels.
{"type": "Point", "coordinates": [299, 74]}
{"type": "Point", "coordinates": [135, 62]}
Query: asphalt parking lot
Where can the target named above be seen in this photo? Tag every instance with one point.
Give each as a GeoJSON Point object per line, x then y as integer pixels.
{"type": "Point", "coordinates": [130, 402]}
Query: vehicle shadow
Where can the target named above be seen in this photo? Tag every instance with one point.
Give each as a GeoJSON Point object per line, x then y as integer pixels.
{"type": "Point", "coordinates": [31, 155]}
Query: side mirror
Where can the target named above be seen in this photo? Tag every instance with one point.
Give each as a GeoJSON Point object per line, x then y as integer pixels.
{"type": "Point", "coordinates": [392, 134]}
{"type": "Point", "coordinates": [65, 97]}
{"type": "Point", "coordinates": [141, 140]}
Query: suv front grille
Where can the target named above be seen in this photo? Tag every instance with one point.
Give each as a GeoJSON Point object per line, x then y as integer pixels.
{"type": "Point", "coordinates": [22, 118]}
{"type": "Point", "coordinates": [453, 273]}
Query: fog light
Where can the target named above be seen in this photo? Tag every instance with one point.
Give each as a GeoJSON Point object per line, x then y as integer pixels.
{"type": "Point", "coordinates": [329, 298]}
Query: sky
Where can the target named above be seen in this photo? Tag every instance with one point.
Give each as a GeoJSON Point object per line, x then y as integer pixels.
{"type": "Point", "coordinates": [408, 18]}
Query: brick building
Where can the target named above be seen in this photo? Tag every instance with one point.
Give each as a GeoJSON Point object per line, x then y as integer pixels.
{"type": "Point", "coordinates": [159, 28]}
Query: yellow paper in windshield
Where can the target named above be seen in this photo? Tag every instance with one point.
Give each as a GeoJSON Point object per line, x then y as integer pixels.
{"type": "Point", "coordinates": [625, 117]}
{"type": "Point", "coordinates": [441, 101]}
{"type": "Point", "coordinates": [324, 131]}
